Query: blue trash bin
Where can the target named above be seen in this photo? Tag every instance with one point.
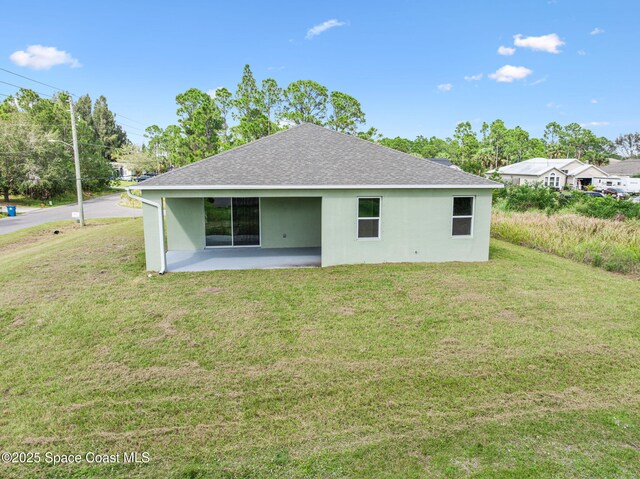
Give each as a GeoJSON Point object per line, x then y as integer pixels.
{"type": "Point", "coordinates": [11, 210]}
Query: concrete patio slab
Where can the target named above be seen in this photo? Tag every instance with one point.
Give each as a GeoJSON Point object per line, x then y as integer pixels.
{"type": "Point", "coordinates": [211, 259]}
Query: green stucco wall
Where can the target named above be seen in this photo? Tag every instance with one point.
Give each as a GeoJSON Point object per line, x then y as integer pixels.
{"type": "Point", "coordinates": [185, 224]}
{"type": "Point", "coordinates": [415, 227]}
{"type": "Point", "coordinates": [151, 232]}
{"type": "Point", "coordinates": [290, 222]}
{"type": "Point", "coordinates": [415, 224]}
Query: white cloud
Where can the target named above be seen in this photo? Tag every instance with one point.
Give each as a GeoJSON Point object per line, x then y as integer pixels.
{"type": "Point", "coordinates": [474, 77]}
{"type": "Point", "coordinates": [508, 73]}
{"type": "Point", "coordinates": [582, 53]}
{"type": "Point", "coordinates": [39, 57]}
{"type": "Point", "coordinates": [212, 92]}
{"type": "Point", "coordinates": [538, 81]}
{"type": "Point", "coordinates": [506, 51]}
{"type": "Point", "coordinates": [445, 87]}
{"type": "Point", "coordinates": [544, 43]}
{"type": "Point", "coordinates": [596, 31]}
{"type": "Point", "coordinates": [553, 105]}
{"type": "Point", "coordinates": [594, 123]}
{"type": "Point", "coordinates": [323, 27]}
{"type": "Point", "coordinates": [594, 101]}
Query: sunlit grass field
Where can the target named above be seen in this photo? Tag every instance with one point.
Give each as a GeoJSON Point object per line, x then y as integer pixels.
{"type": "Point", "coordinates": [525, 366]}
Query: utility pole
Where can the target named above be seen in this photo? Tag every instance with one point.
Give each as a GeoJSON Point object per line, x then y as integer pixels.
{"type": "Point", "coordinates": [76, 157]}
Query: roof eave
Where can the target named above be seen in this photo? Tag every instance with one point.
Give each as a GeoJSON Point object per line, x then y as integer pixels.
{"type": "Point", "coordinates": [311, 187]}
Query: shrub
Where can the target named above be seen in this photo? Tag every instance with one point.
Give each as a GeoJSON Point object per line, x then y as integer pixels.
{"type": "Point", "coordinates": [531, 196]}
{"type": "Point", "coordinates": [608, 207]}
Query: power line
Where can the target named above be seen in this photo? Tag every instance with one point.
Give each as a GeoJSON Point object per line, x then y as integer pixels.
{"type": "Point", "coordinates": [59, 89]}
{"type": "Point", "coordinates": [23, 88]}
{"type": "Point", "coordinates": [137, 134]}
{"type": "Point", "coordinates": [35, 81]}
{"type": "Point", "coordinates": [130, 119]}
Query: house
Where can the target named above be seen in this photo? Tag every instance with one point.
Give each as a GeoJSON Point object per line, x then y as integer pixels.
{"type": "Point", "coordinates": [624, 174]}
{"type": "Point", "coordinates": [556, 173]}
{"type": "Point", "coordinates": [309, 196]}
{"type": "Point", "coordinates": [122, 171]}
{"type": "Point", "coordinates": [445, 162]}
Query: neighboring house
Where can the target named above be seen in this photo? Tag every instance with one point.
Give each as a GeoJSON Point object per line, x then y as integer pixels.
{"type": "Point", "coordinates": [582, 176]}
{"type": "Point", "coordinates": [122, 171]}
{"type": "Point", "coordinates": [621, 174]}
{"type": "Point", "coordinates": [444, 162]}
{"type": "Point", "coordinates": [556, 173]}
{"type": "Point", "coordinates": [309, 192]}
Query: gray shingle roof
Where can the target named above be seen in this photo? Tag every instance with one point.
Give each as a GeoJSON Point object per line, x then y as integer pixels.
{"type": "Point", "coordinates": [310, 155]}
{"type": "Point", "coordinates": [442, 161]}
{"type": "Point", "coordinates": [628, 167]}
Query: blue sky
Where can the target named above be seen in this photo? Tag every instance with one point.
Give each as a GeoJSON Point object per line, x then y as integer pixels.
{"type": "Point", "coordinates": [575, 61]}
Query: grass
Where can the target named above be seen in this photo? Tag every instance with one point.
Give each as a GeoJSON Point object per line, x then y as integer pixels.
{"type": "Point", "coordinates": [524, 366]}
{"type": "Point", "coordinates": [63, 199]}
{"type": "Point", "coordinates": [126, 200]}
{"type": "Point", "coordinates": [122, 183]}
{"type": "Point", "coordinates": [605, 243]}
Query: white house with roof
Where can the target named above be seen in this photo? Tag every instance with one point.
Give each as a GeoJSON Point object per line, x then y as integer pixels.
{"type": "Point", "coordinates": [556, 173]}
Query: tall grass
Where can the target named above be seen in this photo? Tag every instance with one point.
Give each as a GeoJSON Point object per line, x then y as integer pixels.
{"type": "Point", "coordinates": [609, 244]}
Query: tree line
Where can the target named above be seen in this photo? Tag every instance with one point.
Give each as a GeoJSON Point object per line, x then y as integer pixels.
{"type": "Point", "coordinates": [496, 145]}
{"type": "Point", "coordinates": [211, 122]}
{"type": "Point", "coordinates": [208, 123]}
{"type": "Point", "coordinates": [257, 110]}
{"type": "Point", "coordinates": [36, 159]}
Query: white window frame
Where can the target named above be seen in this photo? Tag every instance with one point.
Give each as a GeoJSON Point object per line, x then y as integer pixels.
{"type": "Point", "coordinates": [472, 216]}
{"type": "Point", "coordinates": [379, 218]}
{"type": "Point", "coordinates": [552, 180]}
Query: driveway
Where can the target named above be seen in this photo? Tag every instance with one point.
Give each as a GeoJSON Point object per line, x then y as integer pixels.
{"type": "Point", "coordinates": [103, 207]}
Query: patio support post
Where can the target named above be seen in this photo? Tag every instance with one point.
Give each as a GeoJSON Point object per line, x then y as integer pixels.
{"type": "Point", "coordinates": [158, 206]}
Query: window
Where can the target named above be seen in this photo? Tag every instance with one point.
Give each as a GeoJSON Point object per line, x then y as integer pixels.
{"type": "Point", "coordinates": [552, 180]}
{"type": "Point", "coordinates": [462, 224]}
{"type": "Point", "coordinates": [368, 218]}
{"type": "Point", "coordinates": [232, 221]}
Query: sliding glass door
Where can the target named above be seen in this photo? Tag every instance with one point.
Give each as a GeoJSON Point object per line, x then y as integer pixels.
{"type": "Point", "coordinates": [232, 221]}
{"type": "Point", "coordinates": [246, 221]}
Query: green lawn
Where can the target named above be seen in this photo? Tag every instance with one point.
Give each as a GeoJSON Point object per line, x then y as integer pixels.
{"type": "Point", "coordinates": [526, 366]}
{"type": "Point", "coordinates": [64, 199]}
{"type": "Point", "coordinates": [122, 183]}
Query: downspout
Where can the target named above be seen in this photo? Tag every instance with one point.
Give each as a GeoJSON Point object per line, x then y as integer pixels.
{"type": "Point", "coordinates": [157, 206]}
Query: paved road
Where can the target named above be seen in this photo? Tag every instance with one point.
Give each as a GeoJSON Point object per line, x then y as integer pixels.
{"type": "Point", "coordinates": [103, 207]}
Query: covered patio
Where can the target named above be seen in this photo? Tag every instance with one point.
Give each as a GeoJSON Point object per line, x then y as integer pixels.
{"type": "Point", "coordinates": [242, 258]}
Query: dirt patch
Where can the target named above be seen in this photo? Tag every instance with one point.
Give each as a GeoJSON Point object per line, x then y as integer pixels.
{"type": "Point", "coordinates": [471, 297]}
{"type": "Point", "coordinates": [344, 311]}
{"type": "Point", "coordinates": [17, 322]}
{"type": "Point", "coordinates": [211, 290]}
{"type": "Point", "coordinates": [509, 316]}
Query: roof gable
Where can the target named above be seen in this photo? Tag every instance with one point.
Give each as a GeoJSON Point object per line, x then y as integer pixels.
{"type": "Point", "coordinates": [312, 156]}
{"type": "Point", "coordinates": [584, 168]}
{"type": "Point", "coordinates": [625, 167]}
